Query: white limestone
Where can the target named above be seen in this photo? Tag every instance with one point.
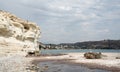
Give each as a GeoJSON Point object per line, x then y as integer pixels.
{"type": "Point", "coordinates": [17, 35]}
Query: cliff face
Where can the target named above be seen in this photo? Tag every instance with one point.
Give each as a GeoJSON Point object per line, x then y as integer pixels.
{"type": "Point", "coordinates": [17, 35]}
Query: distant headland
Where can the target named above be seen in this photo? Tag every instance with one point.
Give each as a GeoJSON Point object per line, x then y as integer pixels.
{"type": "Point", "coordinates": [102, 44]}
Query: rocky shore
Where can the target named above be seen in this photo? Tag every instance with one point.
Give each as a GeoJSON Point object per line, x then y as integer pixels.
{"type": "Point", "coordinates": [14, 63]}
{"type": "Point", "coordinates": [107, 62]}
{"type": "Point", "coordinates": [50, 63]}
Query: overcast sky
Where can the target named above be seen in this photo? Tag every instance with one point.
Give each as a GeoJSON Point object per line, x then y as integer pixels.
{"type": "Point", "coordinates": [69, 20]}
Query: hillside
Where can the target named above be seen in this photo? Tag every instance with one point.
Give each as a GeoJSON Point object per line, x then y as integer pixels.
{"type": "Point", "coordinates": [103, 44]}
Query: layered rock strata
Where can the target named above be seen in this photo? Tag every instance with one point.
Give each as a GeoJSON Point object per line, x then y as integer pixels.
{"type": "Point", "coordinates": [17, 35]}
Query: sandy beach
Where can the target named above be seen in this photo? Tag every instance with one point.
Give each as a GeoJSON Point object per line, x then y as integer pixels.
{"type": "Point", "coordinates": [107, 62]}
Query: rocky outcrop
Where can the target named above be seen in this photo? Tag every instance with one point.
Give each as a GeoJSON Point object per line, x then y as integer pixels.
{"type": "Point", "coordinates": [16, 34]}
{"type": "Point", "coordinates": [92, 55]}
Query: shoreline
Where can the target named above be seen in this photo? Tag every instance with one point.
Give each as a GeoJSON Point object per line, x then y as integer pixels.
{"type": "Point", "coordinates": [108, 62]}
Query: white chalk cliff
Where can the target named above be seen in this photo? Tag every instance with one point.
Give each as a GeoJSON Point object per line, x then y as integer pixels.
{"type": "Point", "coordinates": [17, 35]}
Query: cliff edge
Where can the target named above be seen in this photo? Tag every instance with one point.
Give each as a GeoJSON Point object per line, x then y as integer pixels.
{"type": "Point", "coordinates": [17, 35]}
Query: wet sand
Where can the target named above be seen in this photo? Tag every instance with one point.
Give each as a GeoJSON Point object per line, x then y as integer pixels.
{"type": "Point", "coordinates": [108, 63]}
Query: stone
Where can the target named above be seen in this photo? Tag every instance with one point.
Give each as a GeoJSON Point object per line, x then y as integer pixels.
{"type": "Point", "coordinates": [92, 55]}
{"type": "Point", "coordinates": [33, 53]}
{"type": "Point", "coordinates": [32, 68]}
{"type": "Point", "coordinates": [17, 35]}
{"type": "Point", "coordinates": [117, 57]}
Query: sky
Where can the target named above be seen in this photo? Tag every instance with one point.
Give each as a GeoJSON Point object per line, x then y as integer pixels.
{"type": "Point", "coordinates": [69, 21]}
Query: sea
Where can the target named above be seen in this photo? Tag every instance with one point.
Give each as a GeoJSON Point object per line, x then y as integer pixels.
{"type": "Point", "coordinates": [57, 66]}
{"type": "Point", "coordinates": [63, 51]}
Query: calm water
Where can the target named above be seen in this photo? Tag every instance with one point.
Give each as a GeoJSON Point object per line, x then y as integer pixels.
{"type": "Point", "coordinates": [62, 51]}
{"type": "Point", "coordinates": [62, 67]}
{"type": "Point", "coordinates": [57, 66]}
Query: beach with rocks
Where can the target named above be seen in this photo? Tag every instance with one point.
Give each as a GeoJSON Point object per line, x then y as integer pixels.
{"type": "Point", "coordinates": [108, 62]}
{"type": "Point", "coordinates": [15, 63]}
{"type": "Point", "coordinates": [69, 62]}
{"type": "Point", "coordinates": [20, 51]}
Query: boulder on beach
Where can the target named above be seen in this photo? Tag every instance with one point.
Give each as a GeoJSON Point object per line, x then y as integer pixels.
{"type": "Point", "coordinates": [117, 57]}
{"type": "Point", "coordinates": [33, 53]}
{"type": "Point", "coordinates": [92, 55]}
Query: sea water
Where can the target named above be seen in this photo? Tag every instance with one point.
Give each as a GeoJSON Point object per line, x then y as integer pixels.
{"type": "Point", "coordinates": [56, 66]}
{"type": "Point", "coordinates": [63, 67]}
{"type": "Point", "coordinates": [63, 51]}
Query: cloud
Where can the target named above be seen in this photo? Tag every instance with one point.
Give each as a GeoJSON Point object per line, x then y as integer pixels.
{"type": "Point", "coordinates": [70, 20]}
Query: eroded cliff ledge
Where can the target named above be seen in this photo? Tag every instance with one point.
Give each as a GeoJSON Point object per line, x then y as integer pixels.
{"type": "Point", "coordinates": [17, 35]}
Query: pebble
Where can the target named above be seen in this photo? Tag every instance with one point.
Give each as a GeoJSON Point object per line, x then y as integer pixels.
{"type": "Point", "coordinates": [14, 63]}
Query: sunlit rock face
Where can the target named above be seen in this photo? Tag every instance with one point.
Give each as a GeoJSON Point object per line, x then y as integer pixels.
{"type": "Point", "coordinates": [21, 34]}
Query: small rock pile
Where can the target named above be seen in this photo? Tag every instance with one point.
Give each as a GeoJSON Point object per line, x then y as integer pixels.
{"type": "Point", "coordinates": [32, 68]}
{"type": "Point", "coordinates": [92, 55]}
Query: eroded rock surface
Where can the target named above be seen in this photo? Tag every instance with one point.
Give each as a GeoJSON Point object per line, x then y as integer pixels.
{"type": "Point", "coordinates": [17, 35]}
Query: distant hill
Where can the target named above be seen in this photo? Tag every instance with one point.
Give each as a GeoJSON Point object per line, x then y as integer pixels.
{"type": "Point", "coordinates": [103, 44]}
